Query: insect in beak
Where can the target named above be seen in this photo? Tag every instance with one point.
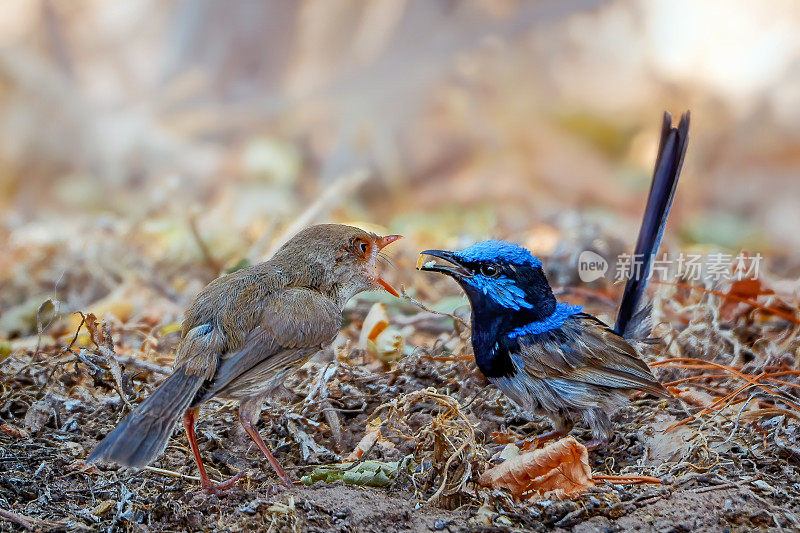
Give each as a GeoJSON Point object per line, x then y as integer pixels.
{"type": "Point", "coordinates": [454, 268]}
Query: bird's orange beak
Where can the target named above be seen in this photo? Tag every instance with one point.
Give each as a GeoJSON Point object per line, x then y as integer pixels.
{"type": "Point", "coordinates": [381, 243]}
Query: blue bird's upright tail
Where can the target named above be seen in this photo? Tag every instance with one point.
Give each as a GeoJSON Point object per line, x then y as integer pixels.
{"type": "Point", "coordinates": [671, 150]}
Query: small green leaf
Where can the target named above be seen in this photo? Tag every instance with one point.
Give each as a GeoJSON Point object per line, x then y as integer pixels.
{"type": "Point", "coordinates": [368, 473]}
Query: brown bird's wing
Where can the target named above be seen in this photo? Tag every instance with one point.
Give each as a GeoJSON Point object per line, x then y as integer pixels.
{"type": "Point", "coordinates": [295, 323]}
{"type": "Point", "coordinates": [586, 350]}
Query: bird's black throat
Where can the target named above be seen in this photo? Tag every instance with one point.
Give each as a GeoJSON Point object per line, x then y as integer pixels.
{"type": "Point", "coordinates": [491, 324]}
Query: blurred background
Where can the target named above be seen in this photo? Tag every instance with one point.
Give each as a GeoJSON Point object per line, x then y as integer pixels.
{"type": "Point", "coordinates": [147, 146]}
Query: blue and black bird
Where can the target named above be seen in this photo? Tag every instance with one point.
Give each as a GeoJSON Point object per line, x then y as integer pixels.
{"type": "Point", "coordinates": [550, 357]}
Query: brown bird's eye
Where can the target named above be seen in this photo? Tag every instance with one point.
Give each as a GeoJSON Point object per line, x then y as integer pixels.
{"type": "Point", "coordinates": [361, 247]}
{"type": "Point", "coordinates": [488, 271]}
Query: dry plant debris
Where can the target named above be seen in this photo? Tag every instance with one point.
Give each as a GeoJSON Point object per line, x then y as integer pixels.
{"type": "Point", "coordinates": [445, 446]}
{"type": "Point", "coordinates": [559, 470]}
{"type": "Point", "coordinates": [412, 425]}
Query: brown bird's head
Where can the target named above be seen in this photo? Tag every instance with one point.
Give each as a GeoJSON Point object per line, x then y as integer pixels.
{"type": "Point", "coordinates": [337, 260]}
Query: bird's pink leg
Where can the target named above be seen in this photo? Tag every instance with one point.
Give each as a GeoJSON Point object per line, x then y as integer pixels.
{"type": "Point", "coordinates": [250, 428]}
{"type": "Point", "coordinates": [209, 486]}
{"type": "Point", "coordinates": [539, 440]}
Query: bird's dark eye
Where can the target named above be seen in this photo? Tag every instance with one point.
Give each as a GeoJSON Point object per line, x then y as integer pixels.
{"type": "Point", "coordinates": [489, 270]}
{"type": "Point", "coordinates": [361, 247]}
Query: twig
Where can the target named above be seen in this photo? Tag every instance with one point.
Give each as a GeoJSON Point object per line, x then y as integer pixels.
{"type": "Point", "coordinates": [75, 337]}
{"type": "Point", "coordinates": [447, 358]}
{"type": "Point", "coordinates": [715, 487]}
{"type": "Point", "coordinates": [171, 473]}
{"type": "Point", "coordinates": [129, 360]}
{"type": "Point", "coordinates": [332, 195]}
{"type": "Point", "coordinates": [426, 320]}
{"type": "Point", "coordinates": [65, 350]}
{"type": "Point", "coordinates": [26, 522]}
{"type": "Point", "coordinates": [331, 415]}
{"type": "Point", "coordinates": [210, 260]}
{"type": "Point", "coordinates": [627, 480]}
{"type": "Point", "coordinates": [695, 378]}
{"type": "Point", "coordinates": [422, 306]}
{"type": "Point", "coordinates": [20, 520]}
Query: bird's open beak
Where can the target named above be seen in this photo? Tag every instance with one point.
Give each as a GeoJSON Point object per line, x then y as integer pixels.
{"type": "Point", "coordinates": [381, 243]}
{"type": "Point", "coordinates": [454, 269]}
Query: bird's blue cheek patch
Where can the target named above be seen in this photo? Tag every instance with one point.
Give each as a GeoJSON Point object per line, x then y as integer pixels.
{"type": "Point", "coordinates": [502, 290]}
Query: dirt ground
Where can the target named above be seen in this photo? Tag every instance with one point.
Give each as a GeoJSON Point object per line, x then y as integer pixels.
{"type": "Point", "coordinates": [56, 407]}
{"type": "Point", "coordinates": [395, 434]}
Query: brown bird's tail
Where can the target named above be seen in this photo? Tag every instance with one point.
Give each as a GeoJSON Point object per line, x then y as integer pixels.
{"type": "Point", "coordinates": [144, 433]}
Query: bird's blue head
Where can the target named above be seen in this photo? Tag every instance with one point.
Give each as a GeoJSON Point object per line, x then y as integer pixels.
{"type": "Point", "coordinates": [500, 279]}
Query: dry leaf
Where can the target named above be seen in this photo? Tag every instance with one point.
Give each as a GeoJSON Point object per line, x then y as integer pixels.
{"type": "Point", "coordinates": [697, 398]}
{"type": "Point", "coordinates": [38, 414]}
{"type": "Point", "coordinates": [103, 507]}
{"type": "Point", "coordinates": [378, 338]}
{"type": "Point", "coordinates": [367, 441]}
{"type": "Point", "coordinates": [749, 290]}
{"type": "Point", "coordinates": [388, 346]}
{"type": "Point", "coordinates": [375, 322]}
{"type": "Point", "coordinates": [99, 332]}
{"type": "Point", "coordinates": [14, 431]}
{"type": "Point", "coordinates": [661, 447]}
{"type": "Point", "coordinates": [101, 337]}
{"type": "Point", "coordinates": [559, 470]}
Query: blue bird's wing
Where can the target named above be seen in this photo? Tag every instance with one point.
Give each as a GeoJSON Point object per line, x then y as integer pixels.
{"type": "Point", "coordinates": [585, 350]}
{"type": "Point", "coordinates": [671, 151]}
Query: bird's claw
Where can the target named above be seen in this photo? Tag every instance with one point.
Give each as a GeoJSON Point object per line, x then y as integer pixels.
{"type": "Point", "coordinates": [223, 487]}
{"type": "Point", "coordinates": [286, 481]}
{"type": "Point", "coordinates": [595, 443]}
{"type": "Point", "coordinates": [537, 441]}
{"type": "Point", "coordinates": [277, 488]}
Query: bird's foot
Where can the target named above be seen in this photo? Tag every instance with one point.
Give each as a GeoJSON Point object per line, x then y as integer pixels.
{"type": "Point", "coordinates": [273, 489]}
{"type": "Point", "coordinates": [221, 488]}
{"type": "Point", "coordinates": [286, 481]}
{"type": "Point", "coordinates": [538, 441]}
{"type": "Point", "coordinates": [595, 443]}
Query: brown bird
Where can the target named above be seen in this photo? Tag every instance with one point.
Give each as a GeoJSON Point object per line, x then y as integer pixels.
{"type": "Point", "coordinates": [244, 333]}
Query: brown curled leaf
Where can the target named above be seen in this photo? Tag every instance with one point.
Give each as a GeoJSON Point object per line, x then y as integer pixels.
{"type": "Point", "coordinates": [559, 470]}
